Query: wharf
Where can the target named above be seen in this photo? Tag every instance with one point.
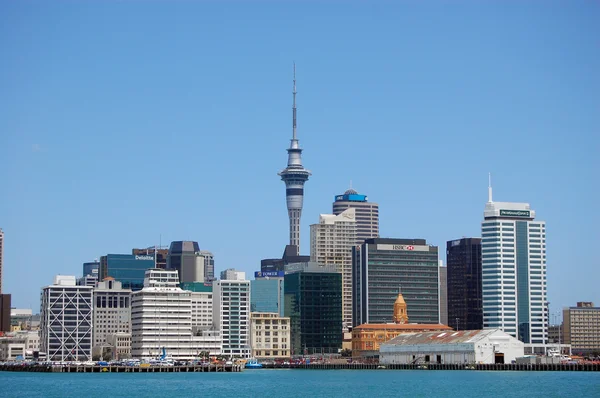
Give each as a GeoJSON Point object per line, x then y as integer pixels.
{"type": "Point", "coordinates": [589, 367]}
{"type": "Point", "coordinates": [120, 369]}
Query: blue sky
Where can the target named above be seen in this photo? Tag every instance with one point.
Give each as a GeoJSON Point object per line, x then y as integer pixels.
{"type": "Point", "coordinates": [126, 122]}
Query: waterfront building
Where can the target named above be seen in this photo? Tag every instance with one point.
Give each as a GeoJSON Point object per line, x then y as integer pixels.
{"type": "Point", "coordinates": [23, 345]}
{"type": "Point", "coordinates": [461, 347]}
{"type": "Point", "coordinates": [66, 320]}
{"type": "Point", "coordinates": [267, 292]}
{"type": "Point", "coordinates": [231, 315]}
{"type": "Point", "coordinates": [313, 302]}
{"type": "Point", "coordinates": [290, 256]}
{"type": "Point", "coordinates": [367, 214]}
{"type": "Point", "coordinates": [463, 262]}
{"type": "Point", "coordinates": [383, 267]}
{"type": "Point", "coordinates": [112, 311]}
{"type": "Point", "coordinates": [159, 252]}
{"type": "Point", "coordinates": [161, 317]}
{"type": "Point", "coordinates": [5, 312]}
{"type": "Point", "coordinates": [129, 269]}
{"type": "Point", "coordinates": [231, 274]}
{"type": "Point", "coordinates": [443, 293]}
{"type": "Point", "coordinates": [269, 335]}
{"type": "Point", "coordinates": [294, 176]}
{"type": "Point", "coordinates": [120, 344]}
{"type": "Point", "coordinates": [331, 243]}
{"type": "Point", "coordinates": [202, 312]}
{"type": "Point", "coordinates": [1, 258]}
{"type": "Point", "coordinates": [513, 251]}
{"type": "Point", "coordinates": [582, 328]}
{"type": "Point", "coordinates": [367, 338]}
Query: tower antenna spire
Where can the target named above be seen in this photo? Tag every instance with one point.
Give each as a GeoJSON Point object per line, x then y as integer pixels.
{"type": "Point", "coordinates": [489, 187]}
{"type": "Point", "coordinates": [294, 106]}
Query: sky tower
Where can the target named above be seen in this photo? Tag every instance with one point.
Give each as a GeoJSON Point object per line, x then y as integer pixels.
{"type": "Point", "coordinates": [294, 176]}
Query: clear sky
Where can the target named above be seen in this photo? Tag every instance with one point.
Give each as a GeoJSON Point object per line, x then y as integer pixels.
{"type": "Point", "coordinates": [126, 122]}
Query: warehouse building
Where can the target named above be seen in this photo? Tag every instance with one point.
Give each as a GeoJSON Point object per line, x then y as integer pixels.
{"type": "Point", "coordinates": [467, 346]}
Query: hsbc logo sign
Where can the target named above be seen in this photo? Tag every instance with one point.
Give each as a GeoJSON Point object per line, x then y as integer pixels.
{"type": "Point", "coordinates": [404, 248]}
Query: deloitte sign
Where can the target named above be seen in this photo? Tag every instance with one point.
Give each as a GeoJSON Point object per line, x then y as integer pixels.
{"type": "Point", "coordinates": [515, 213]}
{"type": "Point", "coordinates": [144, 258]}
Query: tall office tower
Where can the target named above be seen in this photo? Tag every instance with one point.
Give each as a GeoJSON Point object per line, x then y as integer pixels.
{"type": "Point", "coordinates": [384, 267]}
{"type": "Point", "coordinates": [209, 265]}
{"type": "Point", "coordinates": [157, 251]}
{"type": "Point", "coordinates": [367, 214]}
{"type": "Point", "coordinates": [231, 316]}
{"type": "Point", "coordinates": [66, 320]}
{"type": "Point", "coordinates": [313, 302]}
{"type": "Point", "coordinates": [443, 294]}
{"type": "Point", "coordinates": [1, 256]}
{"type": "Point", "coordinates": [231, 274]}
{"type": "Point", "coordinates": [185, 258]}
{"type": "Point", "coordinates": [202, 310]}
{"type": "Point", "coordinates": [91, 268]}
{"type": "Point", "coordinates": [112, 311]}
{"type": "Point", "coordinates": [294, 176]}
{"type": "Point", "coordinates": [5, 323]}
{"type": "Point", "coordinates": [128, 269]}
{"type": "Point", "coordinates": [513, 251]}
{"type": "Point", "coordinates": [267, 292]}
{"type": "Point", "coordinates": [161, 317]}
{"type": "Point", "coordinates": [331, 242]}
{"type": "Point", "coordinates": [290, 256]}
{"type": "Point", "coordinates": [463, 263]}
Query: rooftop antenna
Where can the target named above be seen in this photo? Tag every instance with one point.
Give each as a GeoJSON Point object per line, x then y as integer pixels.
{"type": "Point", "coordinates": [294, 106]}
{"type": "Point", "coordinates": [490, 187]}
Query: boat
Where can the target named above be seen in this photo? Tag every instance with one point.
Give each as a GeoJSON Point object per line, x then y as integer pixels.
{"type": "Point", "coordinates": [252, 363]}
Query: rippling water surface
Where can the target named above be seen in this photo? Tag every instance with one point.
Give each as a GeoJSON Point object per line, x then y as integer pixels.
{"type": "Point", "coordinates": [303, 383]}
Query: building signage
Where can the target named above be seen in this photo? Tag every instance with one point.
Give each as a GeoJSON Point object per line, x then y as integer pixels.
{"type": "Point", "coordinates": [404, 248]}
{"type": "Point", "coordinates": [144, 258]}
{"type": "Point", "coordinates": [515, 213]}
{"type": "Point", "coordinates": [269, 274]}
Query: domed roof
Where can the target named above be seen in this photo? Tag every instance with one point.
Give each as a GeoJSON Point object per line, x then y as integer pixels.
{"type": "Point", "coordinates": [351, 192]}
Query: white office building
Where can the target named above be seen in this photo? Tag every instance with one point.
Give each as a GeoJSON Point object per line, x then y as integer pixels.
{"type": "Point", "coordinates": [231, 274]}
{"type": "Point", "coordinates": [66, 320]}
{"type": "Point", "coordinates": [513, 251]}
{"type": "Point", "coordinates": [331, 242]}
{"type": "Point", "coordinates": [112, 311]}
{"type": "Point", "coordinates": [202, 313]}
{"type": "Point", "coordinates": [161, 317]}
{"type": "Point", "coordinates": [231, 316]}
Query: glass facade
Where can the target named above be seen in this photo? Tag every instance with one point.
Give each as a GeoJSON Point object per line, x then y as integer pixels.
{"type": "Point", "coordinates": [384, 267]}
{"type": "Point", "coordinates": [91, 268]}
{"type": "Point", "coordinates": [266, 295]}
{"type": "Point", "coordinates": [522, 281]}
{"type": "Point", "coordinates": [313, 302]}
{"type": "Point", "coordinates": [128, 269]}
{"type": "Point", "coordinates": [463, 260]}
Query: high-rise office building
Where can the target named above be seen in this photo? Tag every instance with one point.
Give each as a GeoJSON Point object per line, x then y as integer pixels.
{"type": "Point", "coordinates": [209, 265]}
{"type": "Point", "coordinates": [581, 328]}
{"type": "Point", "coordinates": [290, 256]}
{"type": "Point", "coordinates": [66, 320]}
{"type": "Point", "coordinates": [91, 268]}
{"type": "Point", "coordinates": [128, 269]}
{"type": "Point", "coordinates": [294, 176]}
{"type": "Point", "coordinates": [231, 316]}
{"type": "Point", "coordinates": [384, 267]}
{"type": "Point", "coordinates": [463, 263]}
{"type": "Point", "coordinates": [161, 318]}
{"type": "Point", "coordinates": [331, 242]}
{"type": "Point", "coordinates": [313, 302]}
{"type": "Point", "coordinates": [367, 214]}
{"type": "Point", "coordinates": [112, 311]}
{"type": "Point", "coordinates": [202, 310]}
{"type": "Point", "coordinates": [185, 258]}
{"type": "Point", "coordinates": [5, 323]}
{"type": "Point", "coordinates": [443, 275]}
{"type": "Point", "coordinates": [513, 251]}
{"type": "Point", "coordinates": [1, 257]}
{"type": "Point", "coordinates": [158, 251]}
{"type": "Point", "coordinates": [266, 292]}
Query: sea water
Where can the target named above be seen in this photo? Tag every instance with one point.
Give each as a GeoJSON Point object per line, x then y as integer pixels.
{"type": "Point", "coordinates": [303, 383]}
